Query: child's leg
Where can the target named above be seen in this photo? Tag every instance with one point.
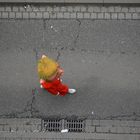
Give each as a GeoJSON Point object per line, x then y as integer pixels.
{"type": "Point", "coordinates": [62, 89]}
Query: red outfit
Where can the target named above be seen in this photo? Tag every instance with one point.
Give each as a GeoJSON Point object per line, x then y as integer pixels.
{"type": "Point", "coordinates": [55, 87]}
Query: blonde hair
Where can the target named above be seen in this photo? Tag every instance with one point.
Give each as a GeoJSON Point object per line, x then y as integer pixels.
{"type": "Point", "coordinates": [47, 67]}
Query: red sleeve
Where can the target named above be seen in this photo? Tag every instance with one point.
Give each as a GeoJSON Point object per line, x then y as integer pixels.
{"type": "Point", "coordinates": [49, 87]}
{"type": "Point", "coordinates": [46, 85]}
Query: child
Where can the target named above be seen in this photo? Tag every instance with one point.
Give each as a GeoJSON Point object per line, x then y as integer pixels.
{"type": "Point", "coordinates": [50, 72]}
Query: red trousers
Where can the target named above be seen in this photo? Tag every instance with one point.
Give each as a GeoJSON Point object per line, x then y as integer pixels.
{"type": "Point", "coordinates": [55, 87]}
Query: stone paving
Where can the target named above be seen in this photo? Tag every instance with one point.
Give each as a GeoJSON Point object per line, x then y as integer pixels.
{"type": "Point", "coordinates": [31, 128]}
{"type": "Point", "coordinates": [79, 11]}
{"type": "Point", "coordinates": [74, 1]}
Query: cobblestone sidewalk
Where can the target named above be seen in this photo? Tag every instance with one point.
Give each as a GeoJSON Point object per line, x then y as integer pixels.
{"type": "Point", "coordinates": [69, 11]}
{"type": "Point", "coordinates": [98, 129]}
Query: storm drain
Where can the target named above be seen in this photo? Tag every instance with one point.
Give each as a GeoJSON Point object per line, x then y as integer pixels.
{"type": "Point", "coordinates": [75, 125]}
{"type": "Point", "coordinates": [52, 125]}
{"type": "Point", "coordinates": [59, 125]}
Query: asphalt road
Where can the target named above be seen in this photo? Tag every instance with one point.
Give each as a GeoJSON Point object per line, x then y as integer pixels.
{"type": "Point", "coordinates": [101, 59]}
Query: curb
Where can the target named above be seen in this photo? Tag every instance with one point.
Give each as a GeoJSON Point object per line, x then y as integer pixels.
{"type": "Point", "coordinates": [74, 1]}
{"type": "Point", "coordinates": [80, 11]}
{"type": "Point", "coordinates": [31, 125]}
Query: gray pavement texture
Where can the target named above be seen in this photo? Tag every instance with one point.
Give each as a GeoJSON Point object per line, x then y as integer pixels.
{"type": "Point", "coordinates": [72, 1]}
{"type": "Point", "coordinates": [100, 59]}
{"type": "Point", "coordinates": [67, 136]}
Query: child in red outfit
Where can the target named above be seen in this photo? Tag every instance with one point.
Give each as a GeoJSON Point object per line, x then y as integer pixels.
{"type": "Point", "coordinates": [55, 87]}
{"type": "Point", "coordinates": [53, 83]}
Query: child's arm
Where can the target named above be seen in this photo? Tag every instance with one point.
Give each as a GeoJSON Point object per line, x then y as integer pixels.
{"type": "Point", "coordinates": [49, 87]}
{"type": "Point", "coordinates": [60, 72]}
{"type": "Point", "coordinates": [44, 84]}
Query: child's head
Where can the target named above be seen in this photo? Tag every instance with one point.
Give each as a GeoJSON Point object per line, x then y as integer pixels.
{"type": "Point", "coordinates": [47, 68]}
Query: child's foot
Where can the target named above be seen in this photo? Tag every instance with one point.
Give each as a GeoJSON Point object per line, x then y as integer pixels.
{"type": "Point", "coordinates": [71, 91]}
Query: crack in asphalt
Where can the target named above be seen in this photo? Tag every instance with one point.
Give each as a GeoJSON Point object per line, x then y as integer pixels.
{"type": "Point", "coordinates": [29, 108]}
{"type": "Point", "coordinates": [58, 50]}
{"type": "Point", "coordinates": [43, 41]}
{"type": "Point", "coordinates": [44, 24]}
{"type": "Point", "coordinates": [75, 42]}
{"type": "Point", "coordinates": [133, 116]}
{"type": "Point", "coordinates": [77, 36]}
{"type": "Point", "coordinates": [30, 105]}
{"type": "Point", "coordinates": [58, 56]}
{"type": "Point", "coordinates": [43, 33]}
{"type": "Point", "coordinates": [36, 54]}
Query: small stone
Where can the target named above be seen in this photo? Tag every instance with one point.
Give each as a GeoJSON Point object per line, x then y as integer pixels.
{"type": "Point", "coordinates": [72, 15]}
{"type": "Point", "coordinates": [100, 16]}
{"type": "Point", "coordinates": [132, 9]}
{"type": "Point", "coordinates": [49, 9]}
{"type": "Point", "coordinates": [83, 8]}
{"type": "Point", "coordinates": [111, 9]}
{"type": "Point", "coordinates": [128, 16]}
{"type": "Point", "coordinates": [39, 15]}
{"type": "Point", "coordinates": [53, 15]}
{"type": "Point", "coordinates": [32, 15]}
{"type": "Point", "coordinates": [4, 14]}
{"type": "Point", "coordinates": [87, 15]}
{"type": "Point", "coordinates": [59, 15]}
{"type": "Point", "coordinates": [124, 9]}
{"type": "Point", "coordinates": [118, 9]}
{"type": "Point", "coordinates": [90, 9]}
{"type": "Point", "coordinates": [18, 15]}
{"type": "Point", "coordinates": [114, 16]}
{"type": "Point", "coordinates": [120, 15]}
{"type": "Point", "coordinates": [2, 8]}
{"type": "Point", "coordinates": [63, 9]}
{"type": "Point", "coordinates": [107, 15]}
{"type": "Point", "coordinates": [42, 9]}
{"type": "Point", "coordinates": [93, 15]}
{"type": "Point", "coordinates": [66, 15]}
{"type": "Point", "coordinates": [104, 9]}
{"type": "Point", "coordinates": [12, 15]}
{"type": "Point", "coordinates": [138, 9]}
{"type": "Point", "coordinates": [46, 15]}
{"type": "Point", "coordinates": [56, 8]}
{"type": "Point", "coordinates": [96, 9]}
{"type": "Point", "coordinates": [8, 8]}
{"type": "Point", "coordinates": [70, 9]}
{"type": "Point", "coordinates": [15, 8]}
{"type": "Point", "coordinates": [26, 15]}
{"type": "Point", "coordinates": [76, 9]}
{"type": "Point", "coordinates": [21, 9]}
{"type": "Point", "coordinates": [135, 16]}
{"type": "Point", "coordinates": [80, 15]}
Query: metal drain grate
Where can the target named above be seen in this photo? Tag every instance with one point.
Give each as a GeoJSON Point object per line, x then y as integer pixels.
{"type": "Point", "coordinates": [52, 125]}
{"type": "Point", "coordinates": [75, 125]}
{"type": "Point", "coordinates": [56, 125]}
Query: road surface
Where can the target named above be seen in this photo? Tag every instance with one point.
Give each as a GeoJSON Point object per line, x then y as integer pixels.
{"type": "Point", "coordinates": [101, 59]}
